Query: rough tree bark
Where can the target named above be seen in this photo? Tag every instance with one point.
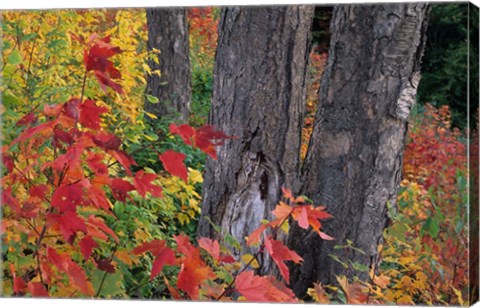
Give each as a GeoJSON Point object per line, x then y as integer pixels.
{"type": "Point", "coordinates": [168, 33]}
{"type": "Point", "coordinates": [258, 96]}
{"type": "Point", "coordinates": [354, 160]}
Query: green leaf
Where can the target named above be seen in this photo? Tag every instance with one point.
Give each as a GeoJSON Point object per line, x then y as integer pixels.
{"type": "Point", "coordinates": [431, 227]}
{"type": "Point", "coordinates": [6, 45]}
{"type": "Point", "coordinates": [28, 37]}
{"type": "Point", "coordinates": [398, 231]}
{"type": "Point", "coordinates": [57, 43]}
{"type": "Point", "coordinates": [15, 57]}
{"type": "Point", "coordinates": [10, 101]}
{"type": "Point", "coordinates": [359, 267]}
{"type": "Point", "coordinates": [152, 99]}
{"type": "Point", "coordinates": [334, 257]}
{"type": "Point", "coordinates": [111, 287]}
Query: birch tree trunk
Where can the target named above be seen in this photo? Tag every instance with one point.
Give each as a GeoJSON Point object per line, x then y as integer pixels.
{"type": "Point", "coordinates": [258, 96]}
{"type": "Point", "coordinates": [354, 161]}
{"type": "Point", "coordinates": [168, 33]}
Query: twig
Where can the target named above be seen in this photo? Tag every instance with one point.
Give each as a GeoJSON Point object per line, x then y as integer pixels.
{"type": "Point", "coordinates": [105, 274]}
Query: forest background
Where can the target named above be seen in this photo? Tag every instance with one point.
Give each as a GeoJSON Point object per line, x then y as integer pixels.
{"type": "Point", "coordinates": [42, 65]}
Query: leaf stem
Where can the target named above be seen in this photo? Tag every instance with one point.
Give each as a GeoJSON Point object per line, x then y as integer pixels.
{"type": "Point", "coordinates": [105, 274]}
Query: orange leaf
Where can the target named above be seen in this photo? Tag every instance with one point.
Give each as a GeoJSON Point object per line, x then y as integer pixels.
{"type": "Point", "coordinates": [211, 246]}
{"type": "Point", "coordinates": [154, 246]}
{"type": "Point", "coordinates": [192, 274]}
{"type": "Point", "coordinates": [355, 292]}
{"type": "Point", "coordinates": [262, 289]}
{"type": "Point", "coordinates": [254, 237]}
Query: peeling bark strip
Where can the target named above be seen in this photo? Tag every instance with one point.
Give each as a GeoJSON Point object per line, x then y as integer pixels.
{"type": "Point", "coordinates": [353, 165]}
{"type": "Point", "coordinates": [258, 96]}
{"type": "Point", "coordinates": [168, 32]}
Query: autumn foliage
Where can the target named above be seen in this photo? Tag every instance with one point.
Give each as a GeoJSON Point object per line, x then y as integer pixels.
{"type": "Point", "coordinates": [96, 206]}
{"type": "Point", "coordinates": [66, 170]}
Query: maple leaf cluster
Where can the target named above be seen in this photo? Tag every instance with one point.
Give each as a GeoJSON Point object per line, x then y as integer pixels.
{"type": "Point", "coordinates": [199, 279]}
{"type": "Point", "coordinates": [77, 169]}
{"type": "Point", "coordinates": [96, 60]}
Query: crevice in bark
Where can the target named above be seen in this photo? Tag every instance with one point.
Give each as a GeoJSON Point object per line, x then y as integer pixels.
{"type": "Point", "coordinates": [258, 96]}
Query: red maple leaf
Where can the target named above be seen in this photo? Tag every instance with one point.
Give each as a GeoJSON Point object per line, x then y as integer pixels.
{"type": "Point", "coordinates": [143, 184]}
{"type": "Point", "coordinates": [95, 224]}
{"type": "Point", "coordinates": [90, 114]}
{"type": "Point", "coordinates": [29, 118]}
{"type": "Point", "coordinates": [262, 289]}
{"type": "Point", "coordinates": [39, 191]}
{"type": "Point", "coordinates": [68, 197]}
{"type": "Point", "coordinates": [124, 159]}
{"type": "Point", "coordinates": [69, 223]}
{"type": "Point", "coordinates": [120, 189]}
{"type": "Point", "coordinates": [37, 289]}
{"type": "Point", "coordinates": [105, 81]}
{"type": "Point", "coordinates": [71, 108]}
{"type": "Point", "coordinates": [59, 136]}
{"type": "Point", "coordinates": [8, 162]}
{"type": "Point", "coordinates": [18, 284]}
{"type": "Point", "coordinates": [173, 163]}
{"type": "Point", "coordinates": [186, 132]}
{"type": "Point", "coordinates": [96, 192]}
{"type": "Point", "coordinates": [87, 244]}
{"type": "Point", "coordinates": [96, 59]}
{"type": "Point", "coordinates": [163, 255]}
{"type": "Point", "coordinates": [75, 273]}
{"type": "Point", "coordinates": [104, 264]}
{"type": "Point", "coordinates": [206, 138]}
{"type": "Point", "coordinates": [280, 253]}
{"type": "Point", "coordinates": [44, 129]}
{"type": "Point", "coordinates": [71, 159]}
{"type": "Point", "coordinates": [106, 141]}
{"type": "Point", "coordinates": [96, 164]}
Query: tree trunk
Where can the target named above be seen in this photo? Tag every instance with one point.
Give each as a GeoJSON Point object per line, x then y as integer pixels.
{"type": "Point", "coordinates": [258, 96]}
{"type": "Point", "coordinates": [354, 160]}
{"type": "Point", "coordinates": [168, 33]}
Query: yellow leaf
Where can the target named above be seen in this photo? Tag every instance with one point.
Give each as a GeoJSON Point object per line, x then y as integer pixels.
{"type": "Point", "coordinates": [382, 281]}
{"type": "Point", "coordinates": [151, 115]}
{"type": "Point", "coordinates": [285, 227]}
{"type": "Point", "coordinates": [195, 176]}
{"type": "Point", "coordinates": [124, 256]}
{"type": "Point", "coordinates": [247, 258]}
{"type": "Point", "coordinates": [421, 280]}
{"type": "Point", "coordinates": [405, 300]}
{"type": "Point", "coordinates": [459, 296]}
{"type": "Point", "coordinates": [318, 294]}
